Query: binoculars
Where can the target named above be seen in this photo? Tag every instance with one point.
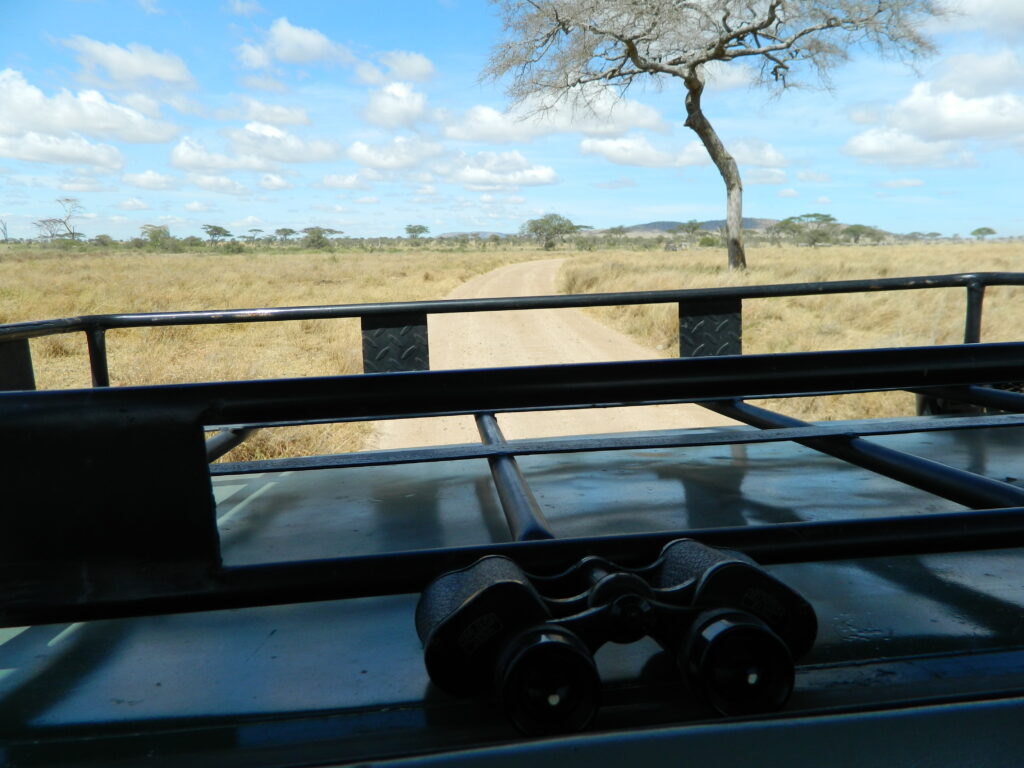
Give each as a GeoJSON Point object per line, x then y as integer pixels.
{"type": "Point", "coordinates": [733, 629]}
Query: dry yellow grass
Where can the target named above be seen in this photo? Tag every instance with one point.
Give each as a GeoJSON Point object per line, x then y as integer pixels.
{"type": "Point", "coordinates": [814, 323]}
{"type": "Point", "coordinates": [42, 284]}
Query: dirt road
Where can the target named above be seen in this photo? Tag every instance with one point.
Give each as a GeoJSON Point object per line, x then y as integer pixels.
{"type": "Point", "coordinates": [531, 337]}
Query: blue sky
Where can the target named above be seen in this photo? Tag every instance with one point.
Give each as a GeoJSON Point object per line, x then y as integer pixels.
{"type": "Point", "coordinates": [365, 117]}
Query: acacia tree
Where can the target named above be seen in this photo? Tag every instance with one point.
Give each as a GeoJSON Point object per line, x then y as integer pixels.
{"type": "Point", "coordinates": [982, 232]}
{"type": "Point", "coordinates": [564, 49]}
{"type": "Point", "coordinates": [550, 229]}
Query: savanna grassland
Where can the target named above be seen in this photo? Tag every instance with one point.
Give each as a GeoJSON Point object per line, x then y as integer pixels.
{"type": "Point", "coordinates": [43, 283]}
{"type": "Point", "coordinates": [798, 324]}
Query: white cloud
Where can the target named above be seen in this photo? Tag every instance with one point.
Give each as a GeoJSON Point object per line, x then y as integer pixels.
{"type": "Point", "coordinates": [264, 83]}
{"type": "Point", "coordinates": [755, 152]}
{"type": "Point", "coordinates": [947, 115]}
{"type": "Point", "coordinates": [274, 114]}
{"type": "Point", "coordinates": [273, 181]}
{"type": "Point", "coordinates": [132, 64]}
{"type": "Point", "coordinates": [765, 176]}
{"type": "Point", "coordinates": [1001, 17]}
{"type": "Point", "coordinates": [188, 154]}
{"type": "Point", "coordinates": [80, 184]}
{"type": "Point", "coordinates": [150, 6]}
{"type": "Point", "coordinates": [369, 74]}
{"type": "Point", "coordinates": [23, 107]}
{"type": "Point", "coordinates": [891, 146]}
{"type": "Point", "coordinates": [368, 200]}
{"type": "Point", "coordinates": [338, 181]}
{"type": "Point", "coordinates": [788, 193]}
{"type": "Point", "coordinates": [220, 184]}
{"type": "Point", "coordinates": [813, 177]}
{"type": "Point", "coordinates": [723, 76]}
{"type": "Point", "coordinates": [300, 45]}
{"type": "Point", "coordinates": [973, 74]}
{"type": "Point", "coordinates": [140, 102]}
{"type": "Point", "coordinates": [396, 105]}
{"type": "Point", "coordinates": [822, 200]}
{"type": "Point", "coordinates": [607, 116]}
{"type": "Point", "coordinates": [638, 151]}
{"type": "Point", "coordinates": [149, 180]}
{"type": "Point", "coordinates": [408, 66]}
{"type": "Point", "coordinates": [499, 170]}
{"type": "Point", "coordinates": [197, 207]}
{"type": "Point", "coordinates": [245, 7]}
{"type": "Point", "coordinates": [401, 153]}
{"type": "Point", "coordinates": [252, 56]}
{"type": "Point", "coordinates": [133, 204]}
{"type": "Point", "coordinates": [268, 142]}
{"type": "Point", "coordinates": [41, 148]}
{"type": "Point", "coordinates": [902, 183]}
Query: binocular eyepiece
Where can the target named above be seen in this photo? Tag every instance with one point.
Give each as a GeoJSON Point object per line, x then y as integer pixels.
{"type": "Point", "coordinates": [733, 629]}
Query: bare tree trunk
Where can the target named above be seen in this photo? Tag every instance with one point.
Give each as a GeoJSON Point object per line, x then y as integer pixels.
{"type": "Point", "coordinates": [696, 121]}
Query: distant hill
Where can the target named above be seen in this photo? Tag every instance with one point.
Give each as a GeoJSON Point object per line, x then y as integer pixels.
{"type": "Point", "coordinates": [710, 226]}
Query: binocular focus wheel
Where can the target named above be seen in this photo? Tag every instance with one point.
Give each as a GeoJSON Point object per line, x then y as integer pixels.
{"type": "Point", "coordinates": [548, 681]}
{"type": "Point", "coordinates": [742, 666]}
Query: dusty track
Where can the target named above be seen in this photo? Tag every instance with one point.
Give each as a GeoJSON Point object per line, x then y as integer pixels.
{"type": "Point", "coordinates": [534, 337]}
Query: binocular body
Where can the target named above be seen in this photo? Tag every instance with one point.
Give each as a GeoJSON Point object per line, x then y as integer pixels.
{"type": "Point", "coordinates": [733, 629]}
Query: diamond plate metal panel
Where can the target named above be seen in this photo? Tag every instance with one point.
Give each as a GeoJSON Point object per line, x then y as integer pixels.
{"type": "Point", "coordinates": [394, 343]}
{"type": "Point", "coordinates": [710, 327]}
{"type": "Point", "coordinates": [16, 365]}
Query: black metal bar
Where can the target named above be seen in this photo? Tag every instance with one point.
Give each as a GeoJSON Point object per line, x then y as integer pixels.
{"type": "Point", "coordinates": [553, 387]}
{"type": "Point", "coordinates": [394, 343]}
{"type": "Point", "coordinates": [16, 371]}
{"type": "Point", "coordinates": [525, 519]}
{"type": "Point", "coordinates": [616, 442]}
{"type": "Point", "coordinates": [972, 315]}
{"type": "Point", "coordinates": [226, 440]}
{"type": "Point", "coordinates": [411, 571]}
{"type": "Point", "coordinates": [940, 479]}
{"type": "Point", "coordinates": [986, 397]}
{"type": "Point", "coordinates": [97, 341]}
{"type": "Point", "coordinates": [710, 327]}
{"type": "Point", "coordinates": [46, 327]}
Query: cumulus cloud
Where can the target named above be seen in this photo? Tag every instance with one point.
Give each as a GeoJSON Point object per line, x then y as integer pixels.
{"type": "Point", "coordinates": [765, 176]}
{"type": "Point", "coordinates": [23, 107]}
{"type": "Point", "coordinates": [1000, 17]}
{"type": "Point", "coordinates": [275, 114]}
{"type": "Point", "coordinates": [343, 181]}
{"type": "Point", "coordinates": [947, 115]}
{"type": "Point", "coordinates": [499, 170]}
{"type": "Point", "coordinates": [272, 181]}
{"type": "Point", "coordinates": [789, 192]}
{"type": "Point", "coordinates": [264, 83]}
{"type": "Point", "coordinates": [42, 148]}
{"type": "Point", "coordinates": [270, 143]}
{"type": "Point", "coordinates": [293, 45]}
{"type": "Point", "coordinates": [973, 74]}
{"type": "Point", "coordinates": [221, 184]}
{"type": "Point", "coordinates": [197, 207]}
{"type": "Point", "coordinates": [723, 76]}
{"type": "Point", "coordinates": [190, 155]}
{"type": "Point", "coordinates": [149, 180]}
{"type": "Point", "coordinates": [131, 64]}
{"type": "Point", "coordinates": [133, 204]}
{"type": "Point", "coordinates": [370, 200]}
{"type": "Point", "coordinates": [245, 7]}
{"type": "Point", "coordinates": [814, 177]}
{"type": "Point", "coordinates": [408, 66]}
{"type": "Point", "coordinates": [400, 154]}
{"type": "Point", "coordinates": [755, 152]}
{"type": "Point", "coordinates": [396, 105]}
{"type": "Point", "coordinates": [607, 116]}
{"type": "Point", "coordinates": [638, 151]}
{"type": "Point", "coordinates": [891, 146]}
